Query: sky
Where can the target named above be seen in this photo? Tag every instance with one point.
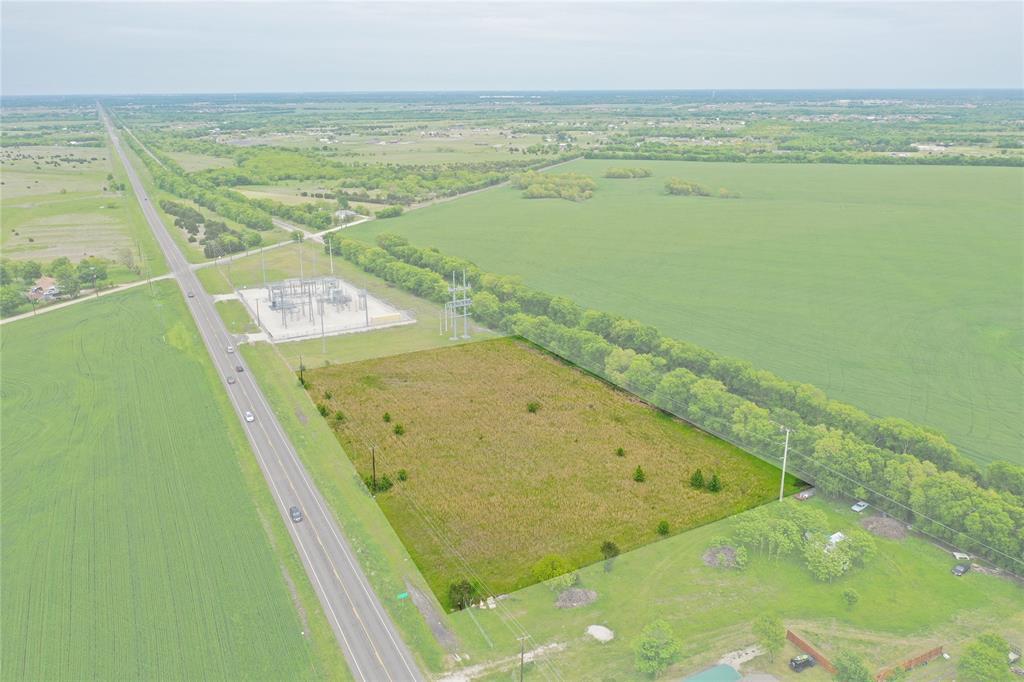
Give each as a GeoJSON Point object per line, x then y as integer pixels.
{"type": "Point", "coordinates": [207, 47]}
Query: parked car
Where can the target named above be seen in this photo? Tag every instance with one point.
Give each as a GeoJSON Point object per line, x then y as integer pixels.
{"type": "Point", "coordinates": [805, 494]}
{"type": "Point", "coordinates": [860, 506]}
{"type": "Point", "coordinates": [231, 349]}
{"type": "Point", "coordinates": [960, 569]}
{"type": "Point", "coordinates": [802, 662]}
{"type": "Point", "coordinates": [296, 514]}
{"type": "Point", "coordinates": [249, 416]}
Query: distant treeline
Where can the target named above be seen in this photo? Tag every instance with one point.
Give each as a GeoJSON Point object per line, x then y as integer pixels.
{"type": "Point", "coordinates": [669, 152]}
{"type": "Point", "coordinates": [911, 472]}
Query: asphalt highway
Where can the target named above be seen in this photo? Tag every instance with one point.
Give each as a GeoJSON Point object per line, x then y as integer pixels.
{"type": "Point", "coordinates": [367, 636]}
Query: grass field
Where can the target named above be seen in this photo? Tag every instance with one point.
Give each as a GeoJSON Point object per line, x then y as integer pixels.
{"type": "Point", "coordinates": [909, 603]}
{"type": "Point", "coordinates": [140, 541]}
{"type": "Point", "coordinates": [236, 318]}
{"type": "Point", "coordinates": [49, 210]}
{"type": "Point", "coordinates": [896, 289]}
{"type": "Point", "coordinates": [498, 487]}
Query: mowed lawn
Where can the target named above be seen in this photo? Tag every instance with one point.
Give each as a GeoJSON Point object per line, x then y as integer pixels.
{"type": "Point", "coordinates": [132, 544]}
{"type": "Point", "coordinates": [896, 289]}
{"type": "Point", "coordinates": [492, 488]}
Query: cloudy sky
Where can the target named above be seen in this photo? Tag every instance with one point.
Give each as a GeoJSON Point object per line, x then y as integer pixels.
{"type": "Point", "coordinates": [156, 47]}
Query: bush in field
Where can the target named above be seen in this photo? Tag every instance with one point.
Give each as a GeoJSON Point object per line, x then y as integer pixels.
{"type": "Point", "coordinates": [985, 659]}
{"type": "Point", "coordinates": [697, 479]}
{"type": "Point", "coordinates": [384, 484]}
{"type": "Point", "coordinates": [462, 595]}
{"type": "Point", "coordinates": [399, 429]}
{"type": "Point", "coordinates": [851, 597]}
{"type": "Point", "coordinates": [656, 648]}
{"type": "Point", "coordinates": [851, 668]}
{"type": "Point", "coordinates": [339, 416]}
{"type": "Point", "coordinates": [532, 407]}
{"type": "Point", "coordinates": [555, 571]}
{"type": "Point", "coordinates": [390, 212]}
{"type": "Point", "coordinates": [609, 550]}
{"type": "Point", "coordinates": [626, 173]}
{"type": "Point", "coordinates": [322, 409]}
{"type": "Point", "coordinates": [387, 417]}
{"type": "Point", "coordinates": [620, 452]}
{"type": "Point", "coordinates": [568, 186]}
{"type": "Point", "coordinates": [663, 527]}
{"type": "Point", "coordinates": [328, 395]}
{"type": "Point", "coordinates": [685, 188]}
{"type": "Point", "coordinates": [638, 474]}
{"type": "Point", "coordinates": [771, 635]}
{"type": "Point", "coordinates": [403, 475]}
{"type": "Point", "coordinates": [715, 484]}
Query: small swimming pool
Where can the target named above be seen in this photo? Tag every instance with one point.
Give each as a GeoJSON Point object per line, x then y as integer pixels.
{"type": "Point", "coordinates": [718, 673]}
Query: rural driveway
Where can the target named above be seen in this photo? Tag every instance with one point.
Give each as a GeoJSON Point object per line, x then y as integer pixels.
{"type": "Point", "coordinates": [367, 636]}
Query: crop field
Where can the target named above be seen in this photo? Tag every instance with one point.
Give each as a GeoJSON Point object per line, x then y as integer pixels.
{"type": "Point", "coordinates": [137, 528]}
{"type": "Point", "coordinates": [495, 485]}
{"type": "Point", "coordinates": [57, 201]}
{"type": "Point", "coordinates": [909, 602]}
{"type": "Point", "coordinates": [896, 289]}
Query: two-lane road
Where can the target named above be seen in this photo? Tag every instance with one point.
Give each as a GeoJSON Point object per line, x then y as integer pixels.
{"type": "Point", "coordinates": [366, 634]}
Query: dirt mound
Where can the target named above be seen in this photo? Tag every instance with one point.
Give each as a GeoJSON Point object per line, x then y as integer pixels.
{"type": "Point", "coordinates": [885, 527]}
{"type": "Point", "coordinates": [720, 557]}
{"type": "Point", "coordinates": [575, 596]}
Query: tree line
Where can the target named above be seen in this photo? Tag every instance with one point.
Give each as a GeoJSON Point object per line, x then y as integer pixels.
{"type": "Point", "coordinates": [218, 239]}
{"type": "Point", "coordinates": [570, 186]}
{"type": "Point", "coordinates": [911, 472]}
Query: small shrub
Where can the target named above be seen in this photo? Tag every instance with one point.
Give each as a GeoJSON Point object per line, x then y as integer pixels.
{"type": "Point", "coordinates": [663, 527]}
{"type": "Point", "coordinates": [384, 484]}
{"type": "Point", "coordinates": [620, 452]}
{"type": "Point", "coordinates": [714, 485]}
{"type": "Point", "coordinates": [328, 395]}
{"type": "Point", "coordinates": [403, 475]}
{"type": "Point", "coordinates": [697, 479]}
{"type": "Point", "coordinates": [609, 550]}
{"type": "Point", "coordinates": [556, 572]}
{"type": "Point", "coordinates": [339, 416]}
{"type": "Point", "coordinates": [399, 429]}
{"type": "Point", "coordinates": [851, 597]}
{"type": "Point", "coordinates": [638, 474]}
{"type": "Point", "coordinates": [387, 417]}
{"type": "Point", "coordinates": [532, 407]}
{"type": "Point", "coordinates": [462, 595]}
{"type": "Point", "coordinates": [322, 409]}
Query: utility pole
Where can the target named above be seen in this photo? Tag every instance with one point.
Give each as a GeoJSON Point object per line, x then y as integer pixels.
{"type": "Point", "coordinates": [373, 455]}
{"type": "Point", "coordinates": [258, 324]}
{"type": "Point", "coordinates": [330, 251]}
{"type": "Point", "coordinates": [785, 456]}
{"type": "Point", "coordinates": [522, 655]}
{"type": "Point", "coordinates": [263, 268]}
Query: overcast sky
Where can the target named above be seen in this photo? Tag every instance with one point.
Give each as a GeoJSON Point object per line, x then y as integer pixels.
{"type": "Point", "coordinates": [149, 47]}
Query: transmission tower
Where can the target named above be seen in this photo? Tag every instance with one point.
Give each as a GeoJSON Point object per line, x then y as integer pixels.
{"type": "Point", "coordinates": [457, 308]}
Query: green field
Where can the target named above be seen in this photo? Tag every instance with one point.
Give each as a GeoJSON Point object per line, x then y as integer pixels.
{"type": "Point", "coordinates": [896, 289]}
{"type": "Point", "coordinates": [909, 603]}
{"type": "Point", "coordinates": [140, 540]}
{"type": "Point", "coordinates": [495, 488]}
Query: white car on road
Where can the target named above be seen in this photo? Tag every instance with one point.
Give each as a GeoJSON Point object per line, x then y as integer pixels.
{"type": "Point", "coordinates": [249, 416]}
{"type": "Point", "coordinates": [860, 506]}
{"type": "Point", "coordinates": [231, 349]}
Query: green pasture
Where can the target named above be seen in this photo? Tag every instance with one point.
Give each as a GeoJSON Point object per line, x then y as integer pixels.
{"type": "Point", "coordinates": [235, 317]}
{"type": "Point", "coordinates": [51, 211]}
{"type": "Point", "coordinates": [896, 289]}
{"type": "Point", "coordinates": [140, 539]}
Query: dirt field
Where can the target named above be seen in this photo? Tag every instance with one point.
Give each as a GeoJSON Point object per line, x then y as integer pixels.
{"type": "Point", "coordinates": [493, 487]}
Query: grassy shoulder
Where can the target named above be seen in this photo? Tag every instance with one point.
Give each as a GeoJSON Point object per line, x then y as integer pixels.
{"type": "Point", "coordinates": [383, 557]}
{"type": "Point", "coordinates": [512, 455]}
{"type": "Point", "coordinates": [140, 514]}
{"type": "Point", "coordinates": [909, 602]}
{"type": "Point", "coordinates": [235, 317]}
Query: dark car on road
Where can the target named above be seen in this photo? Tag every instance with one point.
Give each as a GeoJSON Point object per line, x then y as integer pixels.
{"type": "Point", "coordinates": [801, 662]}
{"type": "Point", "coordinates": [239, 368]}
{"type": "Point", "coordinates": [960, 569]}
{"type": "Point", "coordinates": [296, 514]}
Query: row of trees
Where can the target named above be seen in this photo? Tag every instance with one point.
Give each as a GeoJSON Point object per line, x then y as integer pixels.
{"type": "Point", "coordinates": [911, 472]}
{"type": "Point", "coordinates": [659, 151]}
{"type": "Point", "coordinates": [169, 177]}
{"type": "Point", "coordinates": [627, 173]}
